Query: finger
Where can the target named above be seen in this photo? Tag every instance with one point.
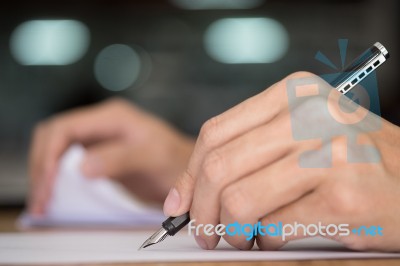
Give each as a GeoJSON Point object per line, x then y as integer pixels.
{"type": "Point", "coordinates": [39, 178]}
{"type": "Point", "coordinates": [36, 147]}
{"type": "Point", "coordinates": [297, 220]}
{"type": "Point", "coordinates": [219, 130]}
{"type": "Point", "coordinates": [93, 123]}
{"type": "Point", "coordinates": [34, 151]}
{"type": "Point", "coordinates": [242, 156]}
{"type": "Point", "coordinates": [137, 166]}
{"type": "Point", "coordinates": [53, 137]}
{"type": "Point", "coordinates": [249, 114]}
{"type": "Point", "coordinates": [265, 191]}
{"type": "Point", "coordinates": [83, 125]}
{"type": "Point", "coordinates": [308, 217]}
{"type": "Point", "coordinates": [115, 159]}
{"type": "Point", "coordinates": [327, 212]}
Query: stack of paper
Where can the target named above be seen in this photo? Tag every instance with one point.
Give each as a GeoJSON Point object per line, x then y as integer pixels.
{"type": "Point", "coordinates": [77, 200]}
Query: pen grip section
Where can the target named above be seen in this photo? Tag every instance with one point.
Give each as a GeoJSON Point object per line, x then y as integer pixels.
{"type": "Point", "coordinates": [174, 224]}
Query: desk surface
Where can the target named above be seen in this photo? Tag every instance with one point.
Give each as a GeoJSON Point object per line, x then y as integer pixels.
{"type": "Point", "coordinates": [7, 219]}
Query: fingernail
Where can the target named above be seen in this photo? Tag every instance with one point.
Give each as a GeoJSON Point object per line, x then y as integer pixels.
{"type": "Point", "coordinates": [172, 202]}
{"type": "Point", "coordinates": [201, 242]}
{"type": "Point", "coordinates": [92, 166]}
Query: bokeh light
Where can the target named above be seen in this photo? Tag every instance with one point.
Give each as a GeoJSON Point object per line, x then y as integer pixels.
{"type": "Point", "coordinates": [246, 40]}
{"type": "Point", "coordinates": [49, 42]}
{"type": "Point", "coordinates": [117, 67]}
{"type": "Point", "coordinates": [217, 4]}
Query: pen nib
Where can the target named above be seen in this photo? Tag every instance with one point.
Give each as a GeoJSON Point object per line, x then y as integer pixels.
{"type": "Point", "coordinates": [157, 237]}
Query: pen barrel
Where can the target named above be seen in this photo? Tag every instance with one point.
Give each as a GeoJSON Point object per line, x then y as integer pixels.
{"type": "Point", "coordinates": [174, 224]}
{"type": "Point", "coordinates": [360, 68]}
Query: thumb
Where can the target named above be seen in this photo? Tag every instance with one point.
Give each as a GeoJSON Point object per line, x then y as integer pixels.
{"type": "Point", "coordinates": [111, 159]}
{"type": "Point", "coordinates": [180, 196]}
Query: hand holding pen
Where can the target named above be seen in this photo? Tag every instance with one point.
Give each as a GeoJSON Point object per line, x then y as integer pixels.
{"type": "Point", "coordinates": [245, 168]}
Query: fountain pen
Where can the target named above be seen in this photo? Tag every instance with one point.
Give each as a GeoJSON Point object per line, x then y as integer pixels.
{"type": "Point", "coordinates": [168, 228]}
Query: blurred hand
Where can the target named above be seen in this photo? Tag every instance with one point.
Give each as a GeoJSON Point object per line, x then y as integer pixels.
{"type": "Point", "coordinates": [123, 142]}
{"type": "Point", "coordinates": [246, 168]}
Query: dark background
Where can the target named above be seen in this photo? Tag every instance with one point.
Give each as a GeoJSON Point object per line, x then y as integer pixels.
{"type": "Point", "coordinates": [184, 85]}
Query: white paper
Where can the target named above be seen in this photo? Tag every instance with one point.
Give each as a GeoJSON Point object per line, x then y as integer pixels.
{"type": "Point", "coordinates": [121, 247]}
{"type": "Point", "coordinates": [77, 200]}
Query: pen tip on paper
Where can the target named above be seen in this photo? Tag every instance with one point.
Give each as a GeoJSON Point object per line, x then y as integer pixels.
{"type": "Point", "coordinates": [157, 237]}
{"type": "Point", "coordinates": [146, 244]}
{"type": "Point", "coordinates": [143, 245]}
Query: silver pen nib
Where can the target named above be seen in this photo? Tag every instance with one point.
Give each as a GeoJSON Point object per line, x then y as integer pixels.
{"type": "Point", "coordinates": [157, 237]}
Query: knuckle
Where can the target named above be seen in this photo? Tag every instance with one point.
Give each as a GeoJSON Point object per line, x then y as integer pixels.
{"type": "Point", "coordinates": [311, 88]}
{"type": "Point", "coordinates": [57, 132]}
{"type": "Point", "coordinates": [56, 125]}
{"type": "Point", "coordinates": [270, 219]}
{"type": "Point", "coordinates": [300, 74]}
{"type": "Point", "coordinates": [213, 168]}
{"type": "Point", "coordinates": [115, 101]}
{"type": "Point", "coordinates": [275, 218]}
{"type": "Point", "coordinates": [117, 104]}
{"type": "Point", "coordinates": [339, 147]}
{"type": "Point", "coordinates": [187, 179]}
{"type": "Point", "coordinates": [316, 101]}
{"type": "Point", "coordinates": [209, 133]}
{"type": "Point", "coordinates": [233, 202]}
{"type": "Point", "coordinates": [268, 242]}
{"type": "Point", "coordinates": [304, 106]}
{"type": "Point", "coordinates": [343, 200]}
{"type": "Point", "coordinates": [51, 125]}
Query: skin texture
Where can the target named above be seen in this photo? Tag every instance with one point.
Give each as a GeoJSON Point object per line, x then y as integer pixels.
{"type": "Point", "coordinates": [245, 168]}
{"type": "Point", "coordinates": [123, 142]}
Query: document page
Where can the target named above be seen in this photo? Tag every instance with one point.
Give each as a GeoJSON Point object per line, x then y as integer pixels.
{"type": "Point", "coordinates": [122, 246]}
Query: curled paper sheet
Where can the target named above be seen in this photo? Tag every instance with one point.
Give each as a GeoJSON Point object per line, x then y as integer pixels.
{"type": "Point", "coordinates": [77, 200]}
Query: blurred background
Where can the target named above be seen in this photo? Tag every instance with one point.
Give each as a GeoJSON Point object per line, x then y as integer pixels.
{"type": "Point", "coordinates": [184, 60]}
